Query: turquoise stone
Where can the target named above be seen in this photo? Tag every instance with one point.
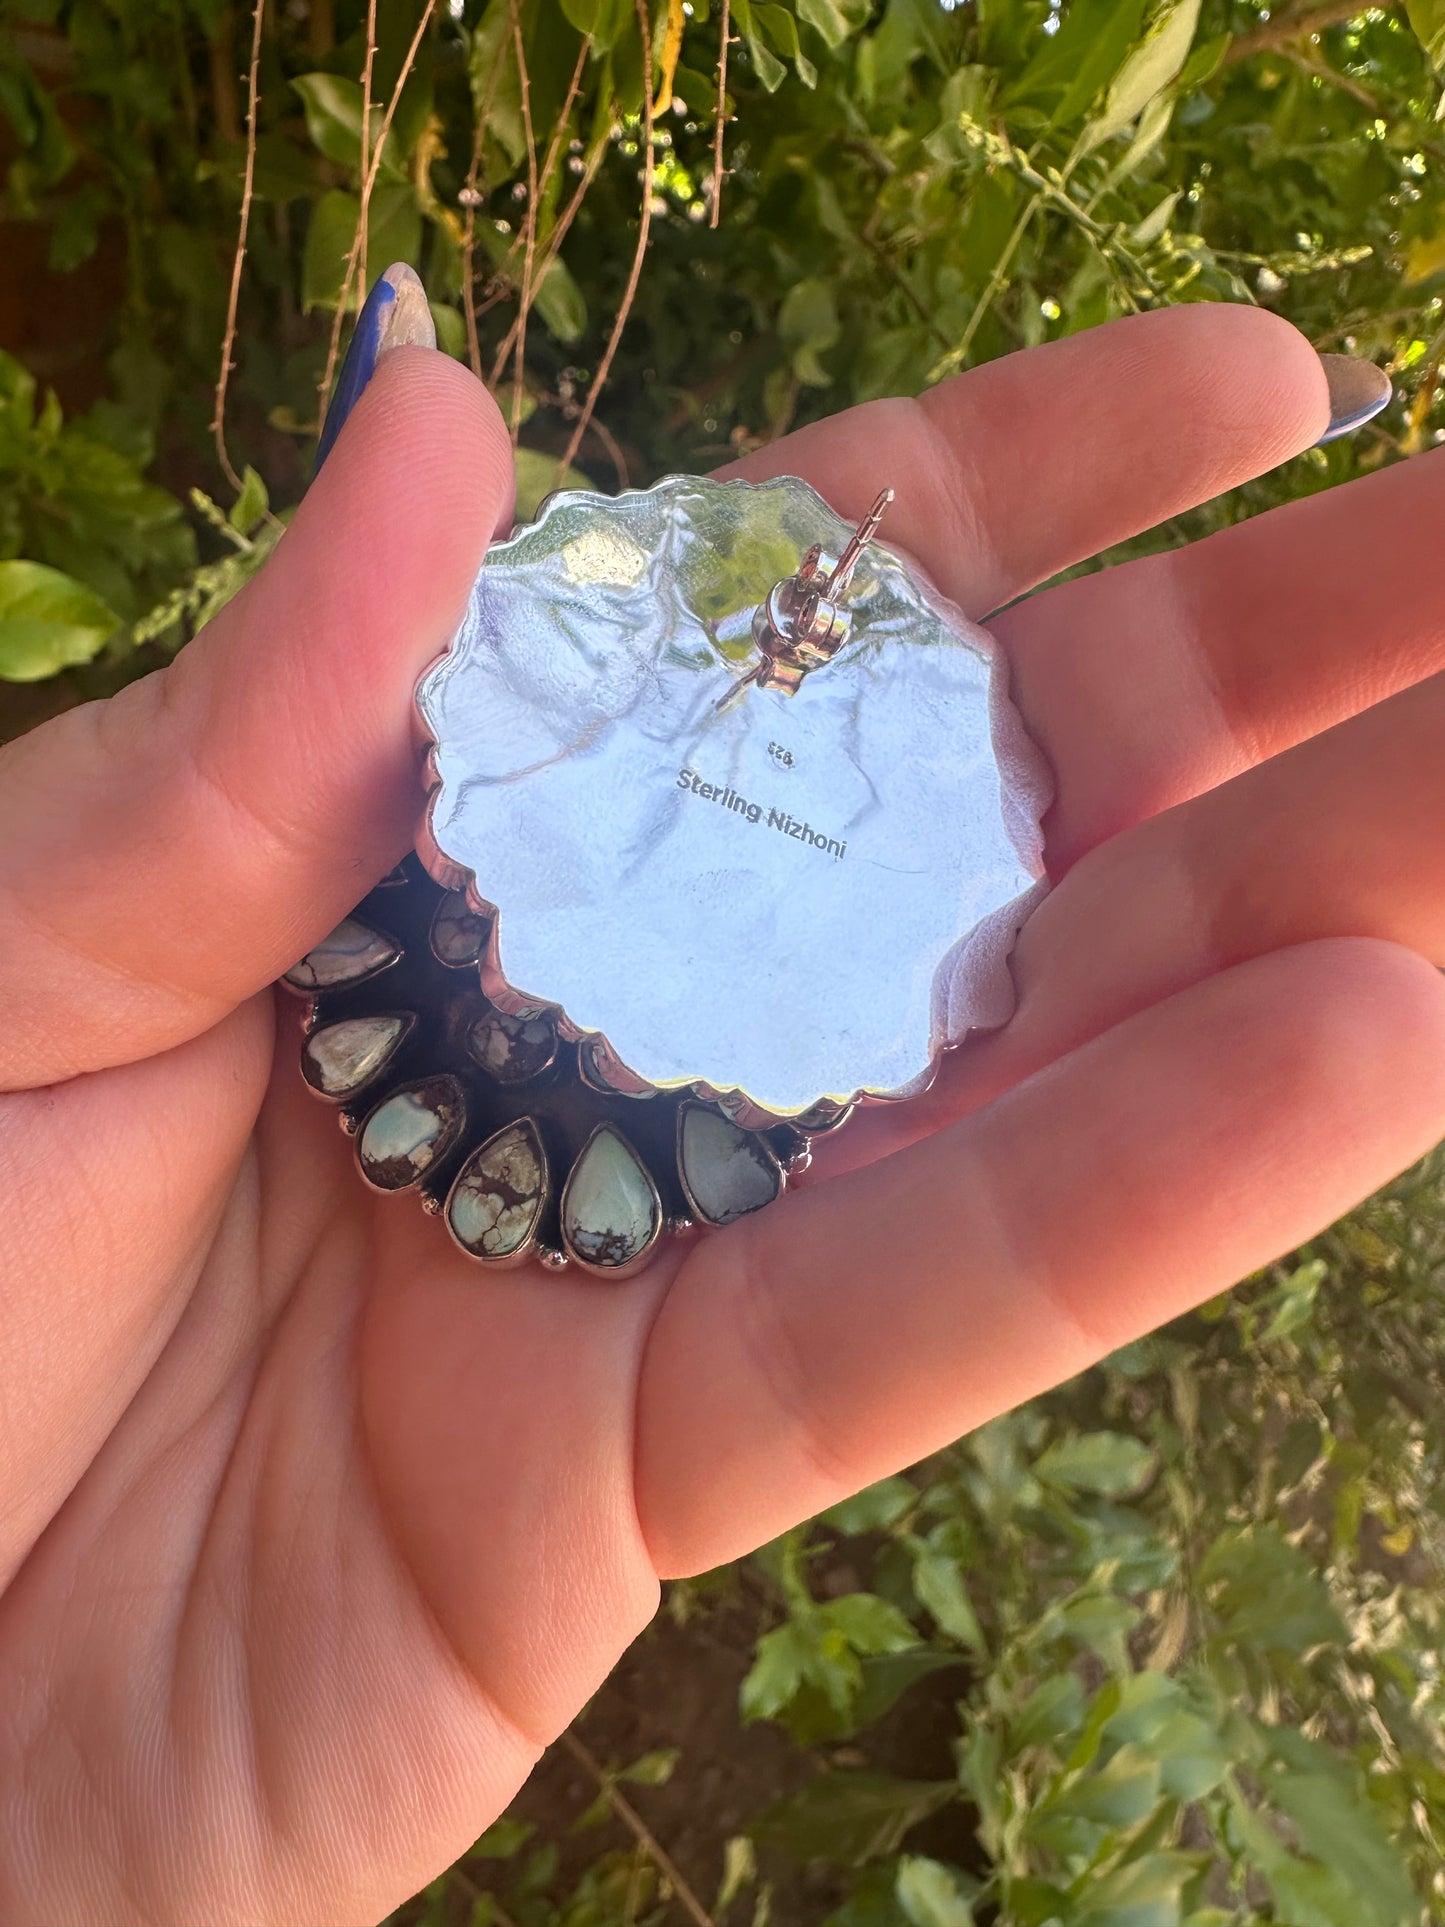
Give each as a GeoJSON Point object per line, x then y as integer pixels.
{"type": "Point", "coordinates": [499, 1192]}
{"type": "Point", "coordinates": [511, 1048]}
{"type": "Point", "coordinates": [340, 1058]}
{"type": "Point", "coordinates": [611, 1212]}
{"type": "Point", "coordinates": [726, 1171]}
{"type": "Point", "coordinates": [352, 953]}
{"type": "Point", "coordinates": [408, 1131]}
{"type": "Point", "coordinates": [458, 934]}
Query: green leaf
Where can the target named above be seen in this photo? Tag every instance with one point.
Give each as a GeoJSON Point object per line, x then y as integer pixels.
{"type": "Point", "coordinates": [886, 1677]}
{"type": "Point", "coordinates": [1266, 1592]}
{"type": "Point", "coordinates": [393, 234]}
{"type": "Point", "coordinates": [652, 1769]}
{"type": "Point", "coordinates": [1294, 1300]}
{"type": "Point", "coordinates": [851, 1817]}
{"type": "Point", "coordinates": [740, 1869]}
{"type": "Point", "coordinates": [1103, 1624]}
{"type": "Point", "coordinates": [870, 1624]}
{"type": "Point", "coordinates": [1140, 1893]}
{"type": "Point", "coordinates": [769, 69]}
{"type": "Point", "coordinates": [808, 323]}
{"type": "Point", "coordinates": [1071, 67]}
{"type": "Point", "coordinates": [560, 303]}
{"type": "Point", "coordinates": [48, 622]}
{"type": "Point", "coordinates": [328, 244]}
{"type": "Point", "coordinates": [938, 1582]}
{"type": "Point", "coordinates": [932, 1894]}
{"type": "Point", "coordinates": [783, 1657]}
{"type": "Point", "coordinates": [250, 506]}
{"type": "Point", "coordinates": [1150, 68]}
{"type": "Point", "coordinates": [333, 120]}
{"type": "Point", "coordinates": [1339, 1828]}
{"type": "Point", "coordinates": [1106, 1462]}
{"type": "Point", "coordinates": [874, 1508]}
{"type": "Point", "coordinates": [1052, 1712]}
{"type": "Point", "coordinates": [1427, 17]}
{"type": "Point", "coordinates": [835, 20]}
{"type": "Point", "coordinates": [451, 330]}
{"type": "Point", "coordinates": [503, 1838]}
{"type": "Point", "coordinates": [1119, 1794]}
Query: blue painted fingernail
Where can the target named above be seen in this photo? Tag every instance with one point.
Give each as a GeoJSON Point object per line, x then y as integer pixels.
{"type": "Point", "coordinates": [396, 314]}
{"type": "Point", "coordinates": [1358, 391]}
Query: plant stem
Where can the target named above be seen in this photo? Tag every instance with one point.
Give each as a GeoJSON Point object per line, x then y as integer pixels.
{"type": "Point", "coordinates": [228, 340]}
{"type": "Point", "coordinates": [640, 1831]}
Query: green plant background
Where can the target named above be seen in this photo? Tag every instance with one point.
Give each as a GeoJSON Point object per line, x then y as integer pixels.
{"type": "Point", "coordinates": [1162, 1647]}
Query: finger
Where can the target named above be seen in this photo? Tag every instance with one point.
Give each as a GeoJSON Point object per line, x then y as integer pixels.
{"type": "Point", "coordinates": [1250, 867]}
{"type": "Point", "coordinates": [1015, 470]}
{"type": "Point", "coordinates": [174, 849]}
{"type": "Point", "coordinates": [856, 1328]}
{"type": "Point", "coordinates": [1247, 868]}
{"type": "Point", "coordinates": [113, 1187]}
{"type": "Point", "coordinates": [1148, 683]}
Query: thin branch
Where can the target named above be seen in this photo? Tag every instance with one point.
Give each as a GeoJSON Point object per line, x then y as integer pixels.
{"type": "Point", "coordinates": [644, 228]}
{"type": "Point", "coordinates": [358, 239]}
{"type": "Point", "coordinates": [1278, 34]}
{"type": "Point", "coordinates": [559, 128]}
{"type": "Point", "coordinates": [402, 78]}
{"type": "Point", "coordinates": [722, 108]}
{"type": "Point", "coordinates": [529, 253]}
{"type": "Point", "coordinates": [554, 243]}
{"type": "Point", "coordinates": [640, 1831]}
{"type": "Point", "coordinates": [367, 66]}
{"type": "Point", "coordinates": [228, 340]}
{"type": "Point", "coordinates": [958, 354]}
{"type": "Point", "coordinates": [1332, 77]}
{"type": "Point", "coordinates": [471, 199]}
{"type": "Point", "coordinates": [357, 258]}
{"type": "Point", "coordinates": [614, 450]}
{"type": "Point", "coordinates": [533, 277]}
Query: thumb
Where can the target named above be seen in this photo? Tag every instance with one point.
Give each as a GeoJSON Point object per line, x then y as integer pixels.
{"type": "Point", "coordinates": [171, 851]}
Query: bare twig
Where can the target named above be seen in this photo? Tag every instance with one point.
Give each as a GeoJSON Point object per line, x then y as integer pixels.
{"type": "Point", "coordinates": [1279, 33]}
{"type": "Point", "coordinates": [368, 64]}
{"type": "Point", "coordinates": [559, 127]}
{"type": "Point", "coordinates": [554, 243]}
{"type": "Point", "coordinates": [640, 1831]}
{"type": "Point", "coordinates": [533, 275]}
{"type": "Point", "coordinates": [356, 262]}
{"type": "Point", "coordinates": [644, 227]}
{"type": "Point", "coordinates": [993, 287]}
{"type": "Point", "coordinates": [228, 340]}
{"type": "Point", "coordinates": [722, 108]}
{"type": "Point", "coordinates": [614, 450]}
{"type": "Point", "coordinates": [358, 239]}
{"type": "Point", "coordinates": [471, 201]}
{"type": "Point", "coordinates": [402, 78]}
{"type": "Point", "coordinates": [1332, 77]}
{"type": "Point", "coordinates": [529, 250]}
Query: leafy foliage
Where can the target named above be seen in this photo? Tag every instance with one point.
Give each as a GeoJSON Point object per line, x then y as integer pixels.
{"type": "Point", "coordinates": [907, 190]}
{"type": "Point", "coordinates": [1182, 1616]}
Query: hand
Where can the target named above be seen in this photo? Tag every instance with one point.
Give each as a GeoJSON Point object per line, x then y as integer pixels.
{"type": "Point", "coordinates": [311, 1534]}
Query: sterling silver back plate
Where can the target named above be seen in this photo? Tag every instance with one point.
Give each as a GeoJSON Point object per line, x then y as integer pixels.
{"type": "Point", "coordinates": [785, 900]}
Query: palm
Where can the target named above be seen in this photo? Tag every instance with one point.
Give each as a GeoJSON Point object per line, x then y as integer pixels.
{"type": "Point", "coordinates": [316, 1534]}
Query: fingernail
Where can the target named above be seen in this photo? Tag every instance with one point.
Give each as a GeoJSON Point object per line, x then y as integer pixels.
{"type": "Point", "coordinates": [1358, 391]}
{"type": "Point", "coordinates": [396, 315]}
